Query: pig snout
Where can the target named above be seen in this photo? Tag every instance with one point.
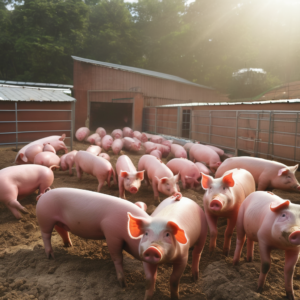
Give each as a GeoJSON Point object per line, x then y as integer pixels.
{"type": "Point", "coordinates": [133, 190]}
{"type": "Point", "coordinates": [152, 255]}
{"type": "Point", "coordinates": [294, 237]}
{"type": "Point", "coordinates": [216, 204]}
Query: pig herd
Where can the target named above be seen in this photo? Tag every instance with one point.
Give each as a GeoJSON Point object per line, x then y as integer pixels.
{"type": "Point", "coordinates": [237, 189]}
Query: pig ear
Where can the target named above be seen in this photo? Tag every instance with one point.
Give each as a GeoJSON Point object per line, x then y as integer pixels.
{"type": "Point", "coordinates": [275, 207]}
{"type": "Point", "coordinates": [140, 175]}
{"type": "Point", "coordinates": [206, 181]}
{"type": "Point", "coordinates": [283, 171]}
{"type": "Point", "coordinates": [177, 177]}
{"type": "Point", "coordinates": [135, 226]}
{"type": "Point", "coordinates": [62, 138]}
{"type": "Point", "coordinates": [163, 180]}
{"type": "Point", "coordinates": [123, 174]}
{"type": "Point", "coordinates": [294, 169]}
{"type": "Point", "coordinates": [219, 163]}
{"type": "Point", "coordinates": [228, 180]}
{"type": "Point", "coordinates": [23, 157]}
{"type": "Point", "coordinates": [178, 233]}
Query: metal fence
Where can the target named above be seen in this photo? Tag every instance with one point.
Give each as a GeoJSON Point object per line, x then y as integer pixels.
{"type": "Point", "coordinates": [267, 134]}
{"type": "Point", "coordinates": [15, 122]}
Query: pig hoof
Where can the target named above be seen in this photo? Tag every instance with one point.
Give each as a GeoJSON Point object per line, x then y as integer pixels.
{"type": "Point", "coordinates": [249, 259]}
{"type": "Point", "coordinates": [67, 244]}
{"type": "Point", "coordinates": [50, 255]}
{"type": "Point", "coordinates": [259, 289]}
{"type": "Point", "coordinates": [290, 295]}
{"type": "Point", "coordinates": [236, 262]}
{"type": "Point", "coordinates": [122, 283]}
{"type": "Point", "coordinates": [226, 252]}
{"type": "Point", "coordinates": [196, 276]}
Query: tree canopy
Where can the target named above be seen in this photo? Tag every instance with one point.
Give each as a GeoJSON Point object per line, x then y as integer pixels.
{"type": "Point", "coordinates": [205, 41]}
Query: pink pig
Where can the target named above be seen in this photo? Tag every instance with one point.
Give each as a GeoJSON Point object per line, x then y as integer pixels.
{"type": "Point", "coordinates": [117, 146]}
{"type": "Point", "coordinates": [165, 150]}
{"type": "Point", "coordinates": [267, 174]}
{"type": "Point", "coordinates": [105, 156]}
{"type": "Point", "coordinates": [32, 151]}
{"type": "Point", "coordinates": [159, 175]}
{"type": "Point", "coordinates": [96, 166]}
{"type": "Point", "coordinates": [46, 159]}
{"type": "Point", "coordinates": [131, 145]}
{"type": "Point", "coordinates": [92, 138]}
{"type": "Point", "coordinates": [148, 135]}
{"type": "Point", "coordinates": [96, 150]}
{"type": "Point", "coordinates": [127, 132]}
{"type": "Point", "coordinates": [106, 142]}
{"type": "Point", "coordinates": [222, 199]}
{"type": "Point", "coordinates": [156, 153]}
{"type": "Point", "coordinates": [117, 134]}
{"type": "Point", "coordinates": [178, 151]}
{"type": "Point", "coordinates": [218, 150]}
{"type": "Point", "coordinates": [187, 147]}
{"type": "Point", "coordinates": [137, 135]}
{"type": "Point", "coordinates": [19, 181]}
{"type": "Point", "coordinates": [67, 161]}
{"type": "Point", "coordinates": [55, 140]}
{"type": "Point", "coordinates": [144, 138]}
{"type": "Point", "coordinates": [149, 147]}
{"type": "Point", "coordinates": [202, 168]}
{"type": "Point", "coordinates": [82, 133]}
{"type": "Point", "coordinates": [101, 131]}
{"type": "Point", "coordinates": [275, 224]}
{"type": "Point", "coordinates": [89, 215]}
{"type": "Point", "coordinates": [205, 154]}
{"type": "Point", "coordinates": [174, 227]}
{"type": "Point", "coordinates": [167, 143]}
{"type": "Point", "coordinates": [156, 139]}
{"type": "Point", "coordinates": [189, 173]}
{"type": "Point", "coordinates": [98, 141]}
{"type": "Point", "coordinates": [129, 178]}
{"type": "Point", "coordinates": [49, 148]}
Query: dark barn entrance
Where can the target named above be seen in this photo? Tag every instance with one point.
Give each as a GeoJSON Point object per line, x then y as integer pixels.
{"type": "Point", "coordinates": [110, 116]}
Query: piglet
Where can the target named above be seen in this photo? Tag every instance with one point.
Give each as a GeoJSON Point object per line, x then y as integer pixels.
{"type": "Point", "coordinates": [129, 179]}
{"type": "Point", "coordinates": [267, 174]}
{"type": "Point", "coordinates": [137, 135]}
{"type": "Point", "coordinates": [159, 176]}
{"type": "Point", "coordinates": [275, 224]}
{"type": "Point", "coordinates": [96, 150]}
{"type": "Point", "coordinates": [156, 153]}
{"type": "Point", "coordinates": [18, 182]}
{"type": "Point", "coordinates": [117, 134]}
{"type": "Point", "coordinates": [98, 141]}
{"type": "Point", "coordinates": [149, 147]}
{"type": "Point", "coordinates": [82, 133]}
{"type": "Point", "coordinates": [131, 145]}
{"type": "Point", "coordinates": [165, 150]}
{"type": "Point", "coordinates": [101, 131]}
{"type": "Point", "coordinates": [156, 139]}
{"type": "Point", "coordinates": [46, 159]}
{"type": "Point", "coordinates": [67, 161]}
{"type": "Point", "coordinates": [222, 199]}
{"type": "Point", "coordinates": [96, 166]}
{"type": "Point", "coordinates": [174, 227]}
{"type": "Point", "coordinates": [117, 146]}
{"type": "Point", "coordinates": [167, 143]}
{"type": "Point", "coordinates": [202, 168]}
{"type": "Point", "coordinates": [32, 151]}
{"type": "Point", "coordinates": [105, 156]}
{"type": "Point", "coordinates": [189, 173]}
{"type": "Point", "coordinates": [178, 151]}
{"type": "Point", "coordinates": [143, 138]}
{"type": "Point", "coordinates": [218, 150]}
{"type": "Point", "coordinates": [92, 138]}
{"type": "Point", "coordinates": [106, 142]}
{"type": "Point", "coordinates": [127, 132]}
{"type": "Point", "coordinates": [49, 148]}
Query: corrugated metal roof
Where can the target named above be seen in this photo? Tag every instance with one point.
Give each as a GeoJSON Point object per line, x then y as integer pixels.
{"type": "Point", "coordinates": [24, 83]}
{"type": "Point", "coordinates": [231, 103]}
{"type": "Point", "coordinates": [140, 71]}
{"type": "Point", "coordinates": [18, 93]}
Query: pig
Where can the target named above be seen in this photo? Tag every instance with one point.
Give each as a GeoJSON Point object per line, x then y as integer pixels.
{"type": "Point", "coordinates": [267, 174]}
{"type": "Point", "coordinates": [159, 176]}
{"type": "Point", "coordinates": [92, 138]}
{"type": "Point", "coordinates": [189, 173]}
{"type": "Point", "coordinates": [17, 182]}
{"type": "Point", "coordinates": [131, 145]}
{"type": "Point", "coordinates": [274, 223]}
{"type": "Point", "coordinates": [202, 168]}
{"type": "Point", "coordinates": [98, 217]}
{"type": "Point", "coordinates": [138, 135]}
{"type": "Point", "coordinates": [144, 138]}
{"type": "Point", "coordinates": [188, 146]}
{"type": "Point", "coordinates": [32, 151]}
{"type": "Point", "coordinates": [222, 199]}
{"type": "Point", "coordinates": [55, 140]}
{"type": "Point", "coordinates": [46, 159]}
{"type": "Point", "coordinates": [174, 227]}
{"type": "Point", "coordinates": [98, 141]}
{"type": "Point", "coordinates": [148, 135]}
{"type": "Point", "coordinates": [157, 139]}
{"type": "Point", "coordinates": [127, 132]}
{"type": "Point", "coordinates": [167, 143]}
{"type": "Point", "coordinates": [106, 142]}
{"type": "Point", "coordinates": [82, 133]}
{"type": "Point", "coordinates": [205, 154]}
{"type": "Point", "coordinates": [165, 150]}
{"type": "Point", "coordinates": [156, 153]}
{"type": "Point", "coordinates": [67, 161]}
{"type": "Point", "coordinates": [49, 148]}
{"type": "Point", "coordinates": [129, 179]}
{"type": "Point", "coordinates": [117, 146]}
{"type": "Point", "coordinates": [101, 131]}
{"type": "Point", "coordinates": [96, 166]}
{"type": "Point", "coordinates": [117, 134]}
{"type": "Point", "coordinates": [96, 150]}
{"type": "Point", "coordinates": [149, 147]}
{"type": "Point", "coordinates": [178, 151]}
{"type": "Point", "coordinates": [105, 156]}
{"type": "Point", "coordinates": [218, 150]}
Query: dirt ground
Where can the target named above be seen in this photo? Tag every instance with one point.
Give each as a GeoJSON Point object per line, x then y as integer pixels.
{"type": "Point", "coordinates": [85, 271]}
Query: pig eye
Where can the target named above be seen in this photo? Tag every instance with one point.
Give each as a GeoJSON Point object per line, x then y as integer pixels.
{"type": "Point", "coordinates": [283, 215]}
{"type": "Point", "coordinates": [146, 233]}
{"type": "Point", "coordinates": [169, 190]}
{"type": "Point", "coordinates": [167, 234]}
{"type": "Point", "coordinates": [224, 188]}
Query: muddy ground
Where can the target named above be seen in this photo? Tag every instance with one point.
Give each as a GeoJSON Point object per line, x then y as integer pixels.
{"type": "Point", "coordinates": [86, 271]}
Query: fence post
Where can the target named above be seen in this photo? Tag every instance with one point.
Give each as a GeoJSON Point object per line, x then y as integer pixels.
{"type": "Point", "coordinates": [296, 132]}
{"type": "Point", "coordinates": [269, 138]}
{"type": "Point", "coordinates": [236, 132]}
{"type": "Point", "coordinates": [155, 128]}
{"type": "Point", "coordinates": [209, 133]}
{"type": "Point", "coordinates": [255, 150]}
{"type": "Point", "coordinates": [191, 126]}
{"type": "Point", "coordinates": [72, 125]}
{"type": "Point", "coordinates": [179, 121]}
{"type": "Point", "coordinates": [16, 114]}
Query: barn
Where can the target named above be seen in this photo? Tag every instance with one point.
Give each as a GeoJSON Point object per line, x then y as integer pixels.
{"type": "Point", "coordinates": [113, 96]}
{"type": "Point", "coordinates": [30, 111]}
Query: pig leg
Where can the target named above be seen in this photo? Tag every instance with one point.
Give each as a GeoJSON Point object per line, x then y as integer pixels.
{"type": "Point", "coordinates": [240, 237]}
{"type": "Point", "coordinates": [250, 249]}
{"type": "Point", "coordinates": [121, 188]}
{"type": "Point", "coordinates": [101, 182]}
{"type": "Point", "coordinates": [47, 243]}
{"type": "Point", "coordinates": [151, 275]}
{"type": "Point", "coordinates": [262, 183]}
{"type": "Point", "coordinates": [70, 170]}
{"type": "Point", "coordinates": [79, 171]}
{"type": "Point", "coordinates": [146, 178]}
{"type": "Point", "coordinates": [228, 234]}
{"type": "Point", "coordinates": [291, 258]}
{"type": "Point", "coordinates": [265, 257]}
{"type": "Point", "coordinates": [64, 235]}
{"type": "Point", "coordinates": [155, 189]}
{"type": "Point", "coordinates": [212, 224]}
{"type": "Point", "coordinates": [15, 207]}
{"type": "Point", "coordinates": [178, 269]}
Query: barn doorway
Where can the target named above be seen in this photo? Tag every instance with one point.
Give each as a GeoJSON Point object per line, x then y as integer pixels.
{"type": "Point", "coordinates": [110, 115]}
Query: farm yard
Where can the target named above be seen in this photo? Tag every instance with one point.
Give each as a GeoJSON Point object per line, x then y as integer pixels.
{"type": "Point", "coordinates": [86, 271]}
